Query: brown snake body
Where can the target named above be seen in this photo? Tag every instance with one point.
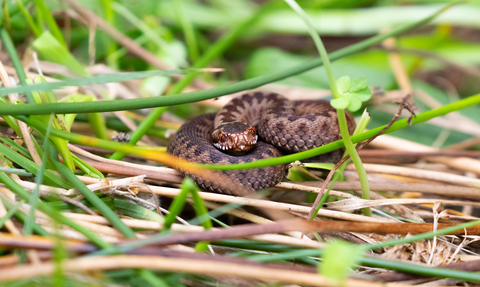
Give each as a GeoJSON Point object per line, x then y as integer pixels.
{"type": "Point", "coordinates": [289, 126]}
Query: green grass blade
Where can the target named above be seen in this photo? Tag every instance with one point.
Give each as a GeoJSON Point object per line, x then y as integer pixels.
{"type": "Point", "coordinates": [51, 22]}
{"type": "Point", "coordinates": [111, 45]}
{"type": "Point", "coordinates": [59, 254]}
{"type": "Point", "coordinates": [10, 213]}
{"type": "Point", "coordinates": [141, 129]}
{"type": "Point", "coordinates": [15, 146]}
{"type": "Point", "coordinates": [97, 122]}
{"type": "Point", "coordinates": [11, 122]}
{"type": "Point", "coordinates": [17, 64]}
{"type": "Point", "coordinates": [20, 172]}
{"type": "Point", "coordinates": [177, 205]}
{"type": "Point", "coordinates": [200, 210]}
{"type": "Point", "coordinates": [30, 166]}
{"type": "Point", "coordinates": [136, 211]}
{"type": "Point", "coordinates": [54, 51]}
{"type": "Point", "coordinates": [29, 18]}
{"type": "Point", "coordinates": [86, 168]}
{"type": "Point", "coordinates": [95, 80]}
{"type": "Point", "coordinates": [188, 31]}
{"type": "Point", "coordinates": [34, 197]}
{"type": "Point", "coordinates": [93, 199]}
{"type": "Point", "coordinates": [59, 122]}
{"type": "Point", "coordinates": [139, 24]}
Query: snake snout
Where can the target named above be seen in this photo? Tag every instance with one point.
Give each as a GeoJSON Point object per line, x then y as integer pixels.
{"type": "Point", "coordinates": [234, 137]}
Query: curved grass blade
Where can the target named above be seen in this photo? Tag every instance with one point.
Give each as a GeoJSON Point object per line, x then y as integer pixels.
{"type": "Point", "coordinates": [17, 64]}
{"type": "Point", "coordinates": [59, 121]}
{"type": "Point", "coordinates": [52, 24]}
{"type": "Point", "coordinates": [94, 80]}
{"type": "Point", "coordinates": [34, 197]}
{"type": "Point", "coordinates": [79, 139]}
{"type": "Point", "coordinates": [30, 166]}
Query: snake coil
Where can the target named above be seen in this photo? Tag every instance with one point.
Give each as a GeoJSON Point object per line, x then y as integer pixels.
{"type": "Point", "coordinates": [284, 127]}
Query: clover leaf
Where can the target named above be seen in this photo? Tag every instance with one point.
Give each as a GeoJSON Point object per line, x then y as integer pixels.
{"type": "Point", "coordinates": [352, 93]}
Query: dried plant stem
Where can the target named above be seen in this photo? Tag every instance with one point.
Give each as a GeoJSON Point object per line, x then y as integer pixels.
{"type": "Point", "coordinates": [421, 174]}
{"type": "Point", "coordinates": [461, 163]}
{"type": "Point", "coordinates": [23, 126]}
{"type": "Point", "coordinates": [177, 265]}
{"type": "Point", "coordinates": [172, 192]}
{"type": "Point", "coordinates": [440, 189]}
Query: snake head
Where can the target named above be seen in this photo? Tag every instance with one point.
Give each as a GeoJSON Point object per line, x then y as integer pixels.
{"type": "Point", "coordinates": [234, 137]}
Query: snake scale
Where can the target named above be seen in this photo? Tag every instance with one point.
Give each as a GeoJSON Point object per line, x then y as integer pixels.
{"type": "Point", "coordinates": [284, 127]}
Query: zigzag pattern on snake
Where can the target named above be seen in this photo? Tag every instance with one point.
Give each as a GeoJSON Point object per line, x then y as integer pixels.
{"type": "Point", "coordinates": [284, 127]}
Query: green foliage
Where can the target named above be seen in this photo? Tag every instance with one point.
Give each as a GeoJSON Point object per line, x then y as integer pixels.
{"type": "Point", "coordinates": [54, 51]}
{"type": "Point", "coordinates": [136, 211]}
{"type": "Point", "coordinates": [189, 187]}
{"type": "Point", "coordinates": [45, 13]}
{"type": "Point", "coordinates": [338, 258]}
{"type": "Point", "coordinates": [352, 93]}
{"type": "Point", "coordinates": [59, 121]}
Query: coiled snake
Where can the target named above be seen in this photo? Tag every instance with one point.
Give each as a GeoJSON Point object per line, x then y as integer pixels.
{"type": "Point", "coordinates": [287, 126]}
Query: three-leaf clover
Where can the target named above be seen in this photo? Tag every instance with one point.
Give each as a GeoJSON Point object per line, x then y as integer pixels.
{"type": "Point", "coordinates": [352, 93]}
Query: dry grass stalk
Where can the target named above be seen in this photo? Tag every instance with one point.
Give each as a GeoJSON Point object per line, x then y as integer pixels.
{"type": "Point", "coordinates": [461, 163]}
{"type": "Point", "coordinates": [179, 265]}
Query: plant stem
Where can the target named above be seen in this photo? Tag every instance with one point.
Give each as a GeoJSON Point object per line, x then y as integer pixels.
{"type": "Point", "coordinates": [17, 64]}
{"type": "Point", "coordinates": [362, 174]}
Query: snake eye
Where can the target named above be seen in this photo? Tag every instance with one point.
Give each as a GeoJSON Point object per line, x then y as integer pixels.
{"type": "Point", "coordinates": [223, 138]}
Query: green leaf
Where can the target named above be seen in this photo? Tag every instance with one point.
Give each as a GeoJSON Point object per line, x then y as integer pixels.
{"type": "Point", "coordinates": [340, 103]}
{"type": "Point", "coordinates": [136, 211]}
{"type": "Point", "coordinates": [355, 104]}
{"type": "Point", "coordinates": [363, 96]}
{"type": "Point", "coordinates": [359, 84]}
{"type": "Point", "coordinates": [52, 24]}
{"type": "Point", "coordinates": [49, 177]}
{"type": "Point", "coordinates": [338, 258]}
{"type": "Point", "coordinates": [87, 169]}
{"type": "Point", "coordinates": [52, 50]}
{"type": "Point", "coordinates": [343, 84]}
{"type": "Point", "coordinates": [47, 96]}
{"type": "Point", "coordinates": [29, 18]}
{"type": "Point", "coordinates": [11, 121]}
